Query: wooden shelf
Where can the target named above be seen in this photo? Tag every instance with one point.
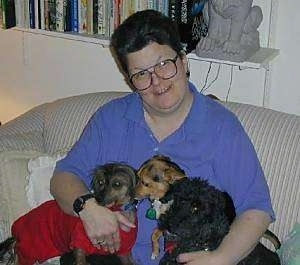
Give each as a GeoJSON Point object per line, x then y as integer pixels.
{"type": "Point", "coordinates": [259, 60]}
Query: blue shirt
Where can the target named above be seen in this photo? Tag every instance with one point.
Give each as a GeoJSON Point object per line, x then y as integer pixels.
{"type": "Point", "coordinates": [210, 144]}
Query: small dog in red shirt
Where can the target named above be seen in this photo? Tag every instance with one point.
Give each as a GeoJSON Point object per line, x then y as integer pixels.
{"type": "Point", "coordinates": [47, 232]}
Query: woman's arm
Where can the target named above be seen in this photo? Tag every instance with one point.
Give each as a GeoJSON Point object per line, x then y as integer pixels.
{"type": "Point", "coordinates": [65, 188]}
{"type": "Point", "coordinates": [243, 236]}
{"type": "Point", "coordinates": [99, 222]}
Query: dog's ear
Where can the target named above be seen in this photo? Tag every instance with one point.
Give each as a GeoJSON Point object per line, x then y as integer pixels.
{"type": "Point", "coordinates": [176, 178]}
{"type": "Point", "coordinates": [173, 176]}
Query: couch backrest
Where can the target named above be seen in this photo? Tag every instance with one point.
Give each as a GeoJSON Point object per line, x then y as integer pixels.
{"type": "Point", "coordinates": [65, 118]}
{"type": "Point", "coordinates": [275, 135]}
{"type": "Point", "coordinates": [276, 138]}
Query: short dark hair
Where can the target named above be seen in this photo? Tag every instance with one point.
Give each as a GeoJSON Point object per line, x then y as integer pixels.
{"type": "Point", "coordinates": [139, 30]}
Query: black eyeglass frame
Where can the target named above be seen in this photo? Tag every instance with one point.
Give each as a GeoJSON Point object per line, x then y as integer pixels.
{"type": "Point", "coordinates": [153, 66]}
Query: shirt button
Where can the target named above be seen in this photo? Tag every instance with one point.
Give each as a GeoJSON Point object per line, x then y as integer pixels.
{"type": "Point", "coordinates": [155, 149]}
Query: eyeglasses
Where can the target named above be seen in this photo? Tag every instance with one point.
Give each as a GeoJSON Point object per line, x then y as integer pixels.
{"type": "Point", "coordinates": [165, 69]}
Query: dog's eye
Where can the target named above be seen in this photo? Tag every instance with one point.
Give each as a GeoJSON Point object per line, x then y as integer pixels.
{"type": "Point", "coordinates": [145, 184]}
{"type": "Point", "coordinates": [117, 185]}
{"type": "Point", "coordinates": [195, 207]}
{"type": "Point", "coordinates": [101, 182]}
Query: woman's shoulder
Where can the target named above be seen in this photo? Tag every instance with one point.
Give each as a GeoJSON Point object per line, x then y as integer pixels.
{"type": "Point", "coordinates": [215, 110]}
{"type": "Point", "coordinates": [217, 113]}
{"type": "Point", "coordinates": [117, 107]}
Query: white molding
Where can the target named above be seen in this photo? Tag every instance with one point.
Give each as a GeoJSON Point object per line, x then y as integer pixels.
{"type": "Point", "coordinates": [259, 60]}
{"type": "Point", "coordinates": [93, 39]}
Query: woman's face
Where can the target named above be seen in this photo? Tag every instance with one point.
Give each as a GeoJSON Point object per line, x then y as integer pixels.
{"type": "Point", "coordinates": [163, 95]}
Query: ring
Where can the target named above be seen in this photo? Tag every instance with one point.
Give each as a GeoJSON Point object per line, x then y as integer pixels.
{"type": "Point", "coordinates": [101, 242]}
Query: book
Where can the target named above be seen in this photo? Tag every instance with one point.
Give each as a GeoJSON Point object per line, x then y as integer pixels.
{"type": "Point", "coordinates": [8, 14]}
{"type": "Point", "coordinates": [189, 18]}
{"type": "Point", "coordinates": [82, 16]}
{"type": "Point", "coordinates": [52, 14]}
{"type": "Point", "coordinates": [59, 15]}
{"type": "Point", "coordinates": [32, 14]}
{"type": "Point", "coordinates": [90, 17]}
{"type": "Point", "coordinates": [19, 10]}
{"type": "Point", "coordinates": [46, 14]}
{"type": "Point", "coordinates": [26, 14]}
{"type": "Point", "coordinates": [42, 14]}
{"type": "Point", "coordinates": [67, 16]}
{"type": "Point", "coordinates": [74, 17]}
{"type": "Point", "coordinates": [100, 18]}
{"type": "Point", "coordinates": [1, 16]}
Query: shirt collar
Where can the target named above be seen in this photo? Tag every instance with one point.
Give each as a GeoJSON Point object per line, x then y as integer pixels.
{"type": "Point", "coordinates": [197, 115]}
{"type": "Point", "coordinates": [194, 121]}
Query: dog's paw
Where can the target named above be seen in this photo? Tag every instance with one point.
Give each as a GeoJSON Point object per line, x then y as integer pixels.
{"type": "Point", "coordinates": [154, 256]}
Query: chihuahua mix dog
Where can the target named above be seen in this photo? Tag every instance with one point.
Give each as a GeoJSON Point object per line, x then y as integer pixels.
{"type": "Point", "coordinates": [156, 180]}
{"type": "Point", "coordinates": [47, 232]}
{"type": "Point", "coordinates": [190, 212]}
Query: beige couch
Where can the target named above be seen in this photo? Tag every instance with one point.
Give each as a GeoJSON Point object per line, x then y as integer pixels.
{"type": "Point", "coordinates": [52, 128]}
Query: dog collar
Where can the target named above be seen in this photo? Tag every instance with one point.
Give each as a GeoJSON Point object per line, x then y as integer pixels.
{"type": "Point", "coordinates": [153, 212]}
{"type": "Point", "coordinates": [130, 206]}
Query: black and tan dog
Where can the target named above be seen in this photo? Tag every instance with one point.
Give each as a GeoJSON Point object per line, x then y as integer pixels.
{"type": "Point", "coordinates": [192, 214]}
{"type": "Point", "coordinates": [113, 186]}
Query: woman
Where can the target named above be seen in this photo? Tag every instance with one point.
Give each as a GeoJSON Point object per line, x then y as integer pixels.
{"type": "Point", "coordinates": [165, 115]}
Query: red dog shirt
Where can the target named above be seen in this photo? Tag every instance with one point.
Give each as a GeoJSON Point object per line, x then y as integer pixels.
{"type": "Point", "coordinates": [46, 232]}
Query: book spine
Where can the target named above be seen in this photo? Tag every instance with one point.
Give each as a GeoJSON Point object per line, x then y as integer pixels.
{"type": "Point", "coordinates": [31, 14]}
{"type": "Point", "coordinates": [116, 13]}
{"type": "Point", "coordinates": [26, 13]}
{"type": "Point", "coordinates": [89, 16]}
{"type": "Point", "coordinates": [59, 15]}
{"type": "Point", "coordinates": [82, 16]}
{"type": "Point", "coordinates": [107, 10]}
{"type": "Point", "coordinates": [19, 8]}
{"type": "Point", "coordinates": [67, 15]}
{"type": "Point", "coordinates": [52, 14]}
{"type": "Point", "coordinates": [173, 9]}
{"type": "Point", "coordinates": [42, 13]}
{"type": "Point", "coordinates": [3, 7]}
{"type": "Point", "coordinates": [46, 14]}
{"type": "Point", "coordinates": [101, 18]}
{"type": "Point", "coordinates": [36, 14]}
{"type": "Point", "coordinates": [1, 16]}
{"type": "Point", "coordinates": [74, 15]}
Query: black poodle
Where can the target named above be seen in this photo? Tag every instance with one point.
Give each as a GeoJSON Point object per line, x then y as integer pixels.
{"type": "Point", "coordinates": [199, 219]}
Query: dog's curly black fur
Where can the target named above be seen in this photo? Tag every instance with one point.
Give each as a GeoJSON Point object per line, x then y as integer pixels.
{"type": "Point", "coordinates": [199, 219]}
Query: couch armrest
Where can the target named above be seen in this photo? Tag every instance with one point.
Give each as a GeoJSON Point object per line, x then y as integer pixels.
{"type": "Point", "coordinates": [13, 182]}
{"type": "Point", "coordinates": [25, 132]}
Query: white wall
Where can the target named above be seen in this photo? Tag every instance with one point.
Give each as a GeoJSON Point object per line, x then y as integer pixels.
{"type": "Point", "coordinates": [285, 92]}
{"type": "Point", "coordinates": [35, 68]}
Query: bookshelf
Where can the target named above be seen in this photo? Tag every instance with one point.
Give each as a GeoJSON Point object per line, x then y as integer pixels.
{"type": "Point", "coordinates": [260, 59]}
{"type": "Point", "coordinates": [87, 38]}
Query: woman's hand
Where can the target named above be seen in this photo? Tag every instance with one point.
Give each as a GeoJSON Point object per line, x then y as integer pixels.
{"type": "Point", "coordinates": [102, 225]}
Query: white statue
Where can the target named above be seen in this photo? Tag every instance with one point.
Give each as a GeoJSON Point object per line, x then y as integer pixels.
{"type": "Point", "coordinates": [232, 30]}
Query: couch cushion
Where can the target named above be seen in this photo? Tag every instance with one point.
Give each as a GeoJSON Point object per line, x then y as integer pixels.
{"type": "Point", "coordinates": [38, 180]}
{"type": "Point", "coordinates": [66, 118]}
